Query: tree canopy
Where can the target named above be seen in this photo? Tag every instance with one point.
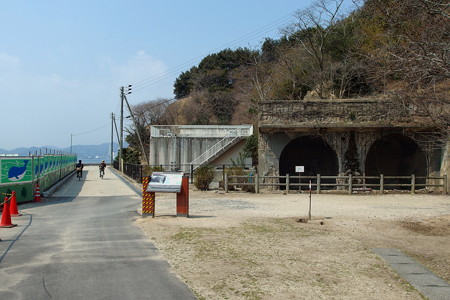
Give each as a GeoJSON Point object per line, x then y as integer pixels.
{"type": "Point", "coordinates": [395, 48]}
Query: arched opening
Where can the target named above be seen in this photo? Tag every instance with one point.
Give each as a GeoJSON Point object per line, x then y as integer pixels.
{"type": "Point", "coordinates": [313, 153]}
{"type": "Point", "coordinates": [396, 155]}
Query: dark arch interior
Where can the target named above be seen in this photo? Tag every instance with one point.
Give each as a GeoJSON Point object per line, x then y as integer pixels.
{"type": "Point", "coordinates": [313, 153]}
{"type": "Point", "coordinates": [396, 155]}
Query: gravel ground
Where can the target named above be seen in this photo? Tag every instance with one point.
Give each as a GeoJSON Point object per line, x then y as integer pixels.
{"type": "Point", "coordinates": [263, 246]}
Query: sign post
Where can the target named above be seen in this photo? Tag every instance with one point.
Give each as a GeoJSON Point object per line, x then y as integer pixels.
{"type": "Point", "coordinates": [171, 182]}
{"type": "Point", "coordinates": [299, 169]}
{"type": "Point", "coordinates": [309, 215]}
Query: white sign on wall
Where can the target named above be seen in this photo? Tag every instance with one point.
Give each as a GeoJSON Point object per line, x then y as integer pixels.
{"type": "Point", "coordinates": [299, 169]}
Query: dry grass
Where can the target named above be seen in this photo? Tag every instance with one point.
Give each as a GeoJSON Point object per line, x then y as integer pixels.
{"type": "Point", "coordinates": [235, 248]}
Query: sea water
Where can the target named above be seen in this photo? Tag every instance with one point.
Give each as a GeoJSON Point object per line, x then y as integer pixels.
{"type": "Point", "coordinates": [94, 161]}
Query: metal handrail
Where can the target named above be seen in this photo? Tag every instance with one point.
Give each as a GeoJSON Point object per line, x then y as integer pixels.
{"type": "Point", "coordinates": [216, 148]}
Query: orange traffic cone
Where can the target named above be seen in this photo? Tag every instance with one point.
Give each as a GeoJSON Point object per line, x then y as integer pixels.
{"type": "Point", "coordinates": [13, 206]}
{"type": "Point", "coordinates": [37, 193]}
{"type": "Point", "coordinates": [6, 216]}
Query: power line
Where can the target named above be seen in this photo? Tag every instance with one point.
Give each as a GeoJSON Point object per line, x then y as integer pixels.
{"type": "Point", "coordinates": [90, 131]}
{"type": "Point", "coordinates": [248, 37]}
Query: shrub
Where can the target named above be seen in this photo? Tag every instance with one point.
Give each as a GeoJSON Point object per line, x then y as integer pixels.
{"type": "Point", "coordinates": [148, 170]}
{"type": "Point", "coordinates": [234, 171]}
{"type": "Point", "coordinates": [239, 171]}
{"type": "Point", "coordinates": [203, 176]}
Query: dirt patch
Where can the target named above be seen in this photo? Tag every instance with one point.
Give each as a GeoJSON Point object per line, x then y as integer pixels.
{"type": "Point", "coordinates": [264, 246]}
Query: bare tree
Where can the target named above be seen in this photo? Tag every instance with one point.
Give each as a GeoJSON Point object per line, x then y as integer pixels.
{"type": "Point", "coordinates": [145, 114]}
{"type": "Point", "coordinates": [321, 58]}
{"type": "Point", "coordinates": [413, 58]}
{"type": "Point", "coordinates": [261, 79]}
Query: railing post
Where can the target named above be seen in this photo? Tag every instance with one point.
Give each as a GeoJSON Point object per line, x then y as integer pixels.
{"type": "Point", "coordinates": [287, 183]}
{"type": "Point", "coordinates": [445, 184]}
{"type": "Point", "coordinates": [364, 179]}
{"type": "Point", "coordinates": [192, 173]}
{"type": "Point", "coordinates": [223, 173]}
{"type": "Point", "coordinates": [226, 183]}
{"type": "Point", "coordinates": [381, 184]}
{"type": "Point", "coordinates": [413, 183]}
{"type": "Point", "coordinates": [318, 184]}
{"type": "Point", "coordinates": [257, 183]}
{"type": "Point", "coordinates": [350, 184]}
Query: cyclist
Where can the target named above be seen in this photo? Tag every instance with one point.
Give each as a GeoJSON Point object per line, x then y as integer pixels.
{"type": "Point", "coordinates": [79, 167]}
{"type": "Point", "coordinates": [102, 167]}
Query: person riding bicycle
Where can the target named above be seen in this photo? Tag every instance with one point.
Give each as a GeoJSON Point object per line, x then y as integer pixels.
{"type": "Point", "coordinates": [102, 167]}
{"type": "Point", "coordinates": [79, 167]}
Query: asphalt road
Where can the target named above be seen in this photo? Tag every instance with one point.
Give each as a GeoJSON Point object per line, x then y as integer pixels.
{"type": "Point", "coordinates": [82, 243]}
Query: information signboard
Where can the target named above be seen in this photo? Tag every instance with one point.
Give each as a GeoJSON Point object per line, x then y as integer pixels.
{"type": "Point", "coordinates": [165, 182]}
{"type": "Point", "coordinates": [299, 169]}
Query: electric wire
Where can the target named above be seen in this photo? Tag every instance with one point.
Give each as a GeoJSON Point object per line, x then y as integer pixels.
{"type": "Point", "coordinates": [157, 78]}
{"type": "Point", "coordinates": [246, 38]}
{"type": "Point", "coordinates": [93, 130]}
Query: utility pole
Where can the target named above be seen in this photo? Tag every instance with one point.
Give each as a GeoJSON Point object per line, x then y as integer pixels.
{"type": "Point", "coordinates": [112, 140]}
{"type": "Point", "coordinates": [122, 96]}
{"type": "Point", "coordinates": [136, 125]}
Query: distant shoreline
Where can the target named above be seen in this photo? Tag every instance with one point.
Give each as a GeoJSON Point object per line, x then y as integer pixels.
{"type": "Point", "coordinates": [93, 161]}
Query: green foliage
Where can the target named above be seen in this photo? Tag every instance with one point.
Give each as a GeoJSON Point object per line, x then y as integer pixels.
{"type": "Point", "coordinates": [214, 80]}
{"type": "Point", "coordinates": [183, 84]}
{"type": "Point", "coordinates": [148, 170]}
{"type": "Point", "coordinates": [382, 44]}
{"type": "Point", "coordinates": [238, 170]}
{"type": "Point", "coordinates": [240, 161]}
{"type": "Point", "coordinates": [251, 148]}
{"type": "Point", "coordinates": [130, 156]}
{"type": "Point", "coordinates": [213, 72]}
{"type": "Point", "coordinates": [235, 170]}
{"type": "Point", "coordinates": [203, 176]}
{"type": "Point", "coordinates": [351, 155]}
{"type": "Point", "coordinates": [222, 105]}
{"type": "Point", "coordinates": [270, 50]}
{"type": "Point", "coordinates": [287, 89]}
{"type": "Point", "coordinates": [227, 59]}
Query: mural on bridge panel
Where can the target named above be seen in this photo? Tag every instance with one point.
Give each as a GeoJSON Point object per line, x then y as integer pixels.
{"type": "Point", "coordinates": [20, 173]}
{"type": "Point", "coordinates": [15, 170]}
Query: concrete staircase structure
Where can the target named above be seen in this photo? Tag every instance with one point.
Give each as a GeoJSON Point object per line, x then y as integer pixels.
{"type": "Point", "coordinates": [186, 147]}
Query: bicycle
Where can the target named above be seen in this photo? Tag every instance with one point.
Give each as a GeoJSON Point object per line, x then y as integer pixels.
{"type": "Point", "coordinates": [102, 173]}
{"type": "Point", "coordinates": [79, 174]}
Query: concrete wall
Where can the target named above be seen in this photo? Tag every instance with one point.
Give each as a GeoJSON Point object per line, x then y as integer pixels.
{"type": "Point", "coordinates": [271, 145]}
{"type": "Point", "coordinates": [177, 146]}
{"type": "Point", "coordinates": [281, 122]}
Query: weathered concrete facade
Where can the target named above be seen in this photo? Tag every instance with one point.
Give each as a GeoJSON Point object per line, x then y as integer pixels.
{"type": "Point", "coordinates": [178, 146]}
{"type": "Point", "coordinates": [331, 136]}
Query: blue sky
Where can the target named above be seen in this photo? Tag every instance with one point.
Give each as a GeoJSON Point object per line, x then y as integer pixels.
{"type": "Point", "coordinates": [62, 63]}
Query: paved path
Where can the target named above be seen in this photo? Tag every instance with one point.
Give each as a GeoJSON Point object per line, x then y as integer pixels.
{"type": "Point", "coordinates": [430, 285]}
{"type": "Point", "coordinates": [82, 243]}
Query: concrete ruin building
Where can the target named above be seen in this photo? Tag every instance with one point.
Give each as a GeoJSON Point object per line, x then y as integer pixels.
{"type": "Point", "coordinates": [186, 147]}
{"type": "Point", "coordinates": [331, 137]}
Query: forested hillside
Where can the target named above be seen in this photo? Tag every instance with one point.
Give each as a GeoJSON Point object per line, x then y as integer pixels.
{"type": "Point", "coordinates": [395, 49]}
